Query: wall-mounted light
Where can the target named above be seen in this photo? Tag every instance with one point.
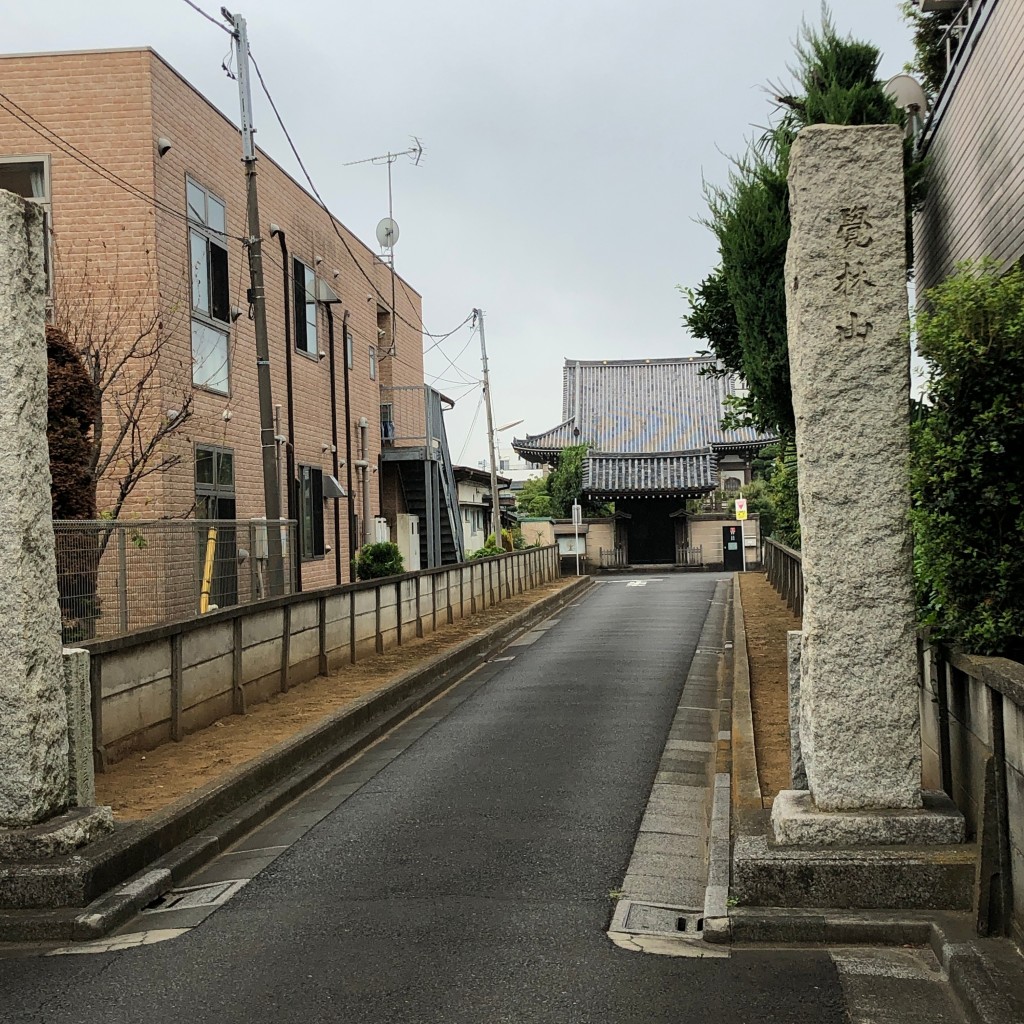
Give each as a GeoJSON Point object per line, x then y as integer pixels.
{"type": "Point", "coordinates": [226, 415]}
{"type": "Point", "coordinates": [275, 229]}
{"type": "Point", "coordinates": [235, 313]}
{"type": "Point", "coordinates": [164, 145]}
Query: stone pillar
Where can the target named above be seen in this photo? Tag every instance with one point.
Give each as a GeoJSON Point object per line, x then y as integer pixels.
{"type": "Point", "coordinates": [33, 709]}
{"type": "Point", "coordinates": [849, 358]}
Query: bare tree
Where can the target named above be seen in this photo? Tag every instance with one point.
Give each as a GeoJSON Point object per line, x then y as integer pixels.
{"type": "Point", "coordinates": [122, 328]}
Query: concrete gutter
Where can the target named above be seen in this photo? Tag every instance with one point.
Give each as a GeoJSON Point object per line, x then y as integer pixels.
{"type": "Point", "coordinates": [87, 895]}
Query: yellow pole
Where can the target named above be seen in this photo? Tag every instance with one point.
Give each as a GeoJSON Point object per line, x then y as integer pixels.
{"type": "Point", "coordinates": [211, 548]}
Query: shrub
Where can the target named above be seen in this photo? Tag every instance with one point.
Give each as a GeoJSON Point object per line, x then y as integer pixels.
{"type": "Point", "coordinates": [374, 561]}
{"type": "Point", "coordinates": [968, 462]}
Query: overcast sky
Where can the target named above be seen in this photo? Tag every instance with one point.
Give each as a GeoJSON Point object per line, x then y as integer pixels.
{"type": "Point", "coordinates": [566, 144]}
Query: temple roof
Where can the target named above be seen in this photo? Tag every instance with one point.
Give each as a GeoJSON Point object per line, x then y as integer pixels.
{"type": "Point", "coordinates": [679, 474]}
{"type": "Point", "coordinates": [643, 406]}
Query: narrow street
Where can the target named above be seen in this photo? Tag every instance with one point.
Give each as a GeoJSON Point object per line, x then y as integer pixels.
{"type": "Point", "coordinates": [466, 869]}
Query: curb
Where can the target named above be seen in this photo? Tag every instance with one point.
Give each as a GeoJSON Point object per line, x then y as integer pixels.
{"type": "Point", "coordinates": [126, 871]}
{"type": "Point", "coordinates": [985, 975]}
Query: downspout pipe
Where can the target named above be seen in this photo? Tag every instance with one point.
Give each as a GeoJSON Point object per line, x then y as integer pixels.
{"type": "Point", "coordinates": [364, 466]}
{"type": "Point", "coordinates": [348, 446]}
{"type": "Point", "coordinates": [334, 442]}
{"type": "Point", "coordinates": [296, 556]}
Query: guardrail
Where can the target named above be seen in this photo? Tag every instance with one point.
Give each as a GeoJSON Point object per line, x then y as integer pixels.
{"type": "Point", "coordinates": [785, 572]}
{"type": "Point", "coordinates": [158, 684]}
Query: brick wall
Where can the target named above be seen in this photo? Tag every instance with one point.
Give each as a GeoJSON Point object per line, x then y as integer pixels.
{"type": "Point", "coordinates": [114, 105]}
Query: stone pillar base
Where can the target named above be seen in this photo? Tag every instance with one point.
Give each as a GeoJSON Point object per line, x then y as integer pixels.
{"type": "Point", "coordinates": [796, 821]}
{"type": "Point", "coordinates": [57, 837]}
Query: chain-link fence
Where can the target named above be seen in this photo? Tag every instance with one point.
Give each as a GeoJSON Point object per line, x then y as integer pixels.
{"type": "Point", "coordinates": [114, 577]}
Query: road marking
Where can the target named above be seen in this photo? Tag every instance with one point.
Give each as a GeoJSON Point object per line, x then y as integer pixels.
{"type": "Point", "coordinates": [637, 583]}
{"type": "Point", "coordinates": [509, 657]}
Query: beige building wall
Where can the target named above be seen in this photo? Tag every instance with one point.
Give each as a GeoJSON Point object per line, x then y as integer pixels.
{"type": "Point", "coordinates": [975, 203]}
{"type": "Point", "coordinates": [538, 531]}
{"type": "Point", "coordinates": [706, 533]}
{"type": "Point", "coordinates": [113, 106]}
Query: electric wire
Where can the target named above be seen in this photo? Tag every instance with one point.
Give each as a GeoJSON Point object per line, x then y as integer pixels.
{"type": "Point", "coordinates": [472, 427]}
{"type": "Point", "coordinates": [209, 17]}
{"type": "Point", "coordinates": [90, 163]}
{"type": "Point", "coordinates": [330, 216]}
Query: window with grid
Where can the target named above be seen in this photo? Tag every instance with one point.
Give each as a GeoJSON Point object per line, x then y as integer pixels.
{"type": "Point", "coordinates": [211, 308]}
{"type": "Point", "coordinates": [373, 363]}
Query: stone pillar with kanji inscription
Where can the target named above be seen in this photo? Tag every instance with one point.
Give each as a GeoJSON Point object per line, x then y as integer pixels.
{"type": "Point", "coordinates": [849, 356]}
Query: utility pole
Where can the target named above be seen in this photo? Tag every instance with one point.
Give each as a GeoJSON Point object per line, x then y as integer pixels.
{"type": "Point", "coordinates": [478, 319]}
{"type": "Point", "coordinates": [258, 298]}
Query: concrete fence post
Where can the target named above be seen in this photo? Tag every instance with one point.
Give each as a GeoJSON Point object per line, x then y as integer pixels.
{"type": "Point", "coordinates": [398, 612]}
{"type": "Point", "coordinates": [378, 640]}
{"type": "Point", "coordinates": [321, 606]}
{"type": "Point", "coordinates": [237, 689]}
{"type": "Point", "coordinates": [419, 596]}
{"type": "Point", "coordinates": [352, 627]}
{"type": "Point", "coordinates": [177, 730]}
{"type": "Point", "coordinates": [286, 647]}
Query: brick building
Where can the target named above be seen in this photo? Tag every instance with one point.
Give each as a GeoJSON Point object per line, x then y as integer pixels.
{"type": "Point", "coordinates": [142, 180]}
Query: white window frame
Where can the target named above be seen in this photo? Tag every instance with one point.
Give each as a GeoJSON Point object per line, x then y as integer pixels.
{"type": "Point", "coordinates": [205, 320]}
{"type": "Point", "coordinates": [46, 203]}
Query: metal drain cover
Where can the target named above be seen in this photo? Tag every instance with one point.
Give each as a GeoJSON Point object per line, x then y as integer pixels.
{"type": "Point", "coordinates": [658, 919]}
{"type": "Point", "coordinates": [190, 897]}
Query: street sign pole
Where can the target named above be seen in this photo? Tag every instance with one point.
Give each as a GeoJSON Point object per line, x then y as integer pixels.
{"type": "Point", "coordinates": [741, 516]}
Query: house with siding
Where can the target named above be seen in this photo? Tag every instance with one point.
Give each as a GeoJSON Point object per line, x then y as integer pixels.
{"type": "Point", "coordinates": [142, 183]}
{"type": "Point", "coordinates": [973, 140]}
{"type": "Point", "coordinates": [653, 428]}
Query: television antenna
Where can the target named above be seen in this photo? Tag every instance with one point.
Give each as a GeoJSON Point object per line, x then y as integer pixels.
{"type": "Point", "coordinates": [909, 96]}
{"type": "Point", "coordinates": [387, 229]}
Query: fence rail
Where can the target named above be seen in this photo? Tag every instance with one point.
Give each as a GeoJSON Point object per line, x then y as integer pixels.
{"type": "Point", "coordinates": [612, 558]}
{"type": "Point", "coordinates": [115, 577]}
{"type": "Point", "coordinates": [785, 573]}
{"type": "Point", "coordinates": [160, 683]}
{"type": "Point", "coordinates": [690, 556]}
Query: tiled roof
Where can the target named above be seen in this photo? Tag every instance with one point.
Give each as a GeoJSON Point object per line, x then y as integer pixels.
{"type": "Point", "coordinates": [674, 473]}
{"type": "Point", "coordinates": [643, 406]}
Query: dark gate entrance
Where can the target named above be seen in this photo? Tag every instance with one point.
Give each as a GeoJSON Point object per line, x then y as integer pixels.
{"type": "Point", "coordinates": [652, 531]}
{"type": "Point", "coordinates": [732, 548]}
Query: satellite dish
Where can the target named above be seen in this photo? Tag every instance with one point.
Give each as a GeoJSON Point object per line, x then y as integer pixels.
{"type": "Point", "coordinates": [910, 97]}
{"type": "Point", "coordinates": [387, 233]}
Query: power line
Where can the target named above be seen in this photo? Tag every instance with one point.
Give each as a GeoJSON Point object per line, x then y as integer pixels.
{"type": "Point", "coordinates": [323, 206]}
{"type": "Point", "coordinates": [209, 17]}
{"type": "Point", "coordinates": [90, 163]}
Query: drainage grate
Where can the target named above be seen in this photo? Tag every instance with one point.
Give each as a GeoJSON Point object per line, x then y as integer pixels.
{"type": "Point", "coordinates": [191, 897]}
{"type": "Point", "coordinates": [658, 919]}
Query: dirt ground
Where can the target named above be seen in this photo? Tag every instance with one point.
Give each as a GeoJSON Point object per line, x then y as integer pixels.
{"type": "Point", "coordinates": [146, 782]}
{"type": "Point", "coordinates": [767, 619]}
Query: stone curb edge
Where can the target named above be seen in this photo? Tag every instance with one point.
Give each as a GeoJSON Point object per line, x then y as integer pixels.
{"type": "Point", "coordinates": [716, 897]}
{"type": "Point", "coordinates": [162, 850]}
{"type": "Point", "coordinates": [988, 984]}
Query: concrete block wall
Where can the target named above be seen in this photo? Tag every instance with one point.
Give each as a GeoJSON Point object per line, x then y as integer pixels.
{"type": "Point", "coordinates": [973, 742]}
{"type": "Point", "coordinates": [158, 685]}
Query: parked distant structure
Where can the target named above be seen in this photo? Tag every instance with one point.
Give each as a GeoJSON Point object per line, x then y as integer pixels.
{"type": "Point", "coordinates": [973, 139]}
{"type": "Point", "coordinates": [655, 437]}
{"type": "Point", "coordinates": [475, 503]}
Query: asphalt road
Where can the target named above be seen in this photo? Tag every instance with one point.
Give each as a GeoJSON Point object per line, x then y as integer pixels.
{"type": "Point", "coordinates": [468, 878]}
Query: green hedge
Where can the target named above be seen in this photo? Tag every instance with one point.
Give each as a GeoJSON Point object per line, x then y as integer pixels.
{"type": "Point", "coordinates": [968, 462]}
{"type": "Point", "coordinates": [373, 561]}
